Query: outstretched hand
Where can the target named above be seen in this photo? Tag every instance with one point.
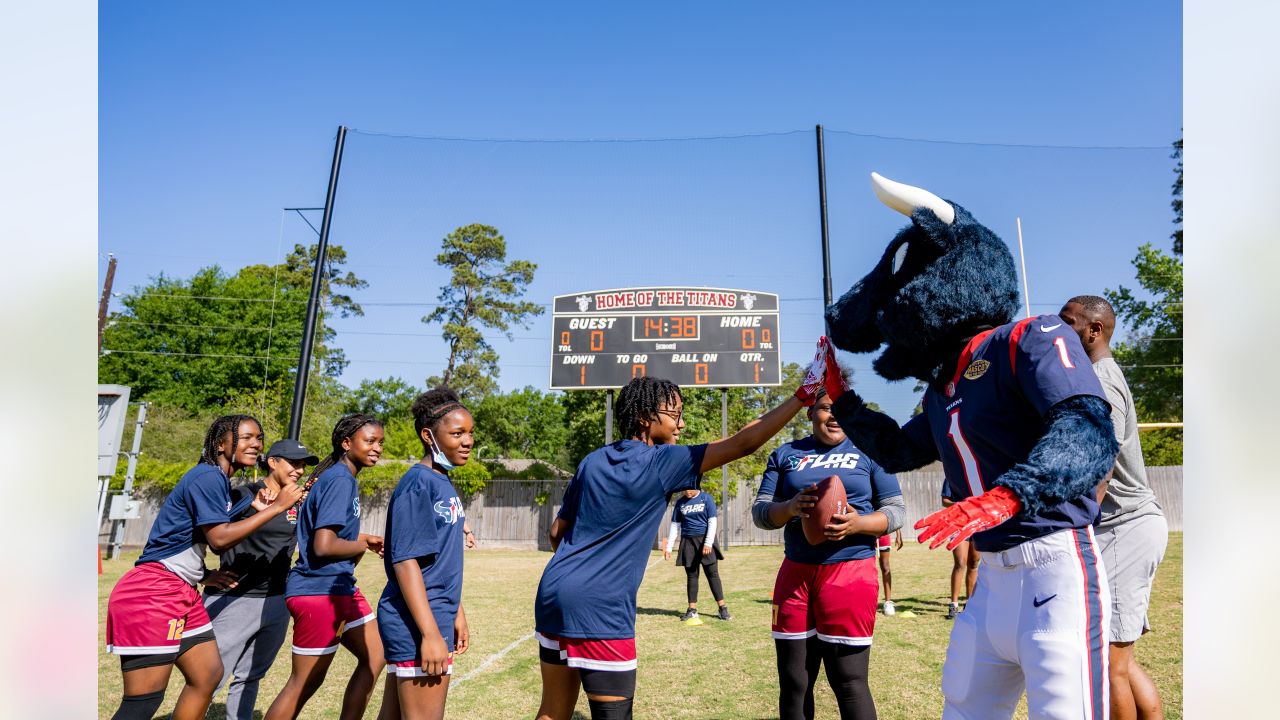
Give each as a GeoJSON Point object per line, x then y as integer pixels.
{"type": "Point", "coordinates": [957, 522]}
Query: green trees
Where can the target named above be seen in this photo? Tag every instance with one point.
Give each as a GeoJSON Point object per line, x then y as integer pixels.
{"type": "Point", "coordinates": [196, 343]}
{"type": "Point", "coordinates": [1151, 354]}
{"type": "Point", "coordinates": [483, 292]}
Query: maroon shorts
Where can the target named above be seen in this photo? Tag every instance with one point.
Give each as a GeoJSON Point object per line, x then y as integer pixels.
{"type": "Point", "coordinates": [413, 668]}
{"type": "Point", "coordinates": [320, 620]}
{"type": "Point", "coordinates": [150, 610]}
{"type": "Point", "coordinates": [836, 602]}
{"type": "Point", "coordinates": [589, 654]}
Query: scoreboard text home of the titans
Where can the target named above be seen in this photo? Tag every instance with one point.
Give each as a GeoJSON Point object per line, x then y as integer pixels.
{"type": "Point", "coordinates": [692, 336]}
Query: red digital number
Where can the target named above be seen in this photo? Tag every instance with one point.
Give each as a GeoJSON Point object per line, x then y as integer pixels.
{"type": "Point", "coordinates": [597, 340]}
{"type": "Point", "coordinates": [700, 374]}
{"type": "Point", "coordinates": [637, 370]}
{"type": "Point", "coordinates": [690, 326]}
{"type": "Point", "coordinates": [653, 324]}
{"type": "Point", "coordinates": [748, 338]}
{"type": "Point", "coordinates": [582, 375]}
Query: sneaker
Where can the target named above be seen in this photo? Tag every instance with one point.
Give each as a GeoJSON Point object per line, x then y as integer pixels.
{"type": "Point", "coordinates": [724, 613]}
{"type": "Point", "coordinates": [688, 615]}
{"type": "Point", "coordinates": [888, 607]}
{"type": "Point", "coordinates": [952, 610]}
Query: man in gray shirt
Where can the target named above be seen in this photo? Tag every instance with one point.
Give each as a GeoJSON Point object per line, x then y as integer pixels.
{"type": "Point", "coordinates": [1131, 530]}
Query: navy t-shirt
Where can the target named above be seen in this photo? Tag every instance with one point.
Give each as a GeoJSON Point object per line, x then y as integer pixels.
{"type": "Point", "coordinates": [333, 502]}
{"type": "Point", "coordinates": [613, 506]}
{"type": "Point", "coordinates": [693, 513]}
{"type": "Point", "coordinates": [424, 523]}
{"type": "Point", "coordinates": [992, 414]}
{"type": "Point", "coordinates": [201, 497]}
{"type": "Point", "coordinates": [797, 465]}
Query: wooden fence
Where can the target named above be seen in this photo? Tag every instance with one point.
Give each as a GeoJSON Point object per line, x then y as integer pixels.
{"type": "Point", "coordinates": [507, 513]}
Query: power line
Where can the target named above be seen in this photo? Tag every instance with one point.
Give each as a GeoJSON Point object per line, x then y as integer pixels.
{"type": "Point", "coordinates": [112, 351]}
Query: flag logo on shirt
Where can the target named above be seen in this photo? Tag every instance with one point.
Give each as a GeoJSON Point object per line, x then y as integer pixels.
{"type": "Point", "coordinates": [976, 369]}
{"type": "Point", "coordinates": [451, 512]}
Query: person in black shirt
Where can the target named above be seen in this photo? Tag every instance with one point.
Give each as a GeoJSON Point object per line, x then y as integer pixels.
{"type": "Point", "coordinates": [246, 601]}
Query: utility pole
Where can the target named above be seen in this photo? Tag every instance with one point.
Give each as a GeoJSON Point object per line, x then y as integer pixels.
{"type": "Point", "coordinates": [106, 298]}
{"type": "Point", "coordinates": [313, 303]}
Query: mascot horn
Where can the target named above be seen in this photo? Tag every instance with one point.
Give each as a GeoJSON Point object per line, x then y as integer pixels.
{"type": "Point", "coordinates": [1019, 420]}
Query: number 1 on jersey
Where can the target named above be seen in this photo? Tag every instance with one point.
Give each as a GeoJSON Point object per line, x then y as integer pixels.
{"type": "Point", "coordinates": [1061, 344]}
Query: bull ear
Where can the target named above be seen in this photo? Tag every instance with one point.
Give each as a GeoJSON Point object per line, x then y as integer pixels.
{"type": "Point", "coordinates": [906, 198]}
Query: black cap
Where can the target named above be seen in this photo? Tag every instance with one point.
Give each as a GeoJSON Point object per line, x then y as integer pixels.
{"type": "Point", "coordinates": [292, 450]}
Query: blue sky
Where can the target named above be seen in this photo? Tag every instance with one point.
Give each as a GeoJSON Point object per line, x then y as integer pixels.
{"type": "Point", "coordinates": [214, 117]}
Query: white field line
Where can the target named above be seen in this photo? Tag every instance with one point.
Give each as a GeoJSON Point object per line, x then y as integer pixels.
{"type": "Point", "coordinates": [504, 651]}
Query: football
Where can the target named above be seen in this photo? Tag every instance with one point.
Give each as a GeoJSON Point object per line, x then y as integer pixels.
{"type": "Point", "coordinates": [832, 500]}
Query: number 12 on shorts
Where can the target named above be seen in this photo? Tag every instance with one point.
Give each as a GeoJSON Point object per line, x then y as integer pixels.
{"type": "Point", "coordinates": [175, 628]}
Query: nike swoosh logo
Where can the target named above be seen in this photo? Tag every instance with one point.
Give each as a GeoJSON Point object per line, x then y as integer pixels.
{"type": "Point", "coordinates": [1038, 602]}
{"type": "Point", "coordinates": [1051, 328]}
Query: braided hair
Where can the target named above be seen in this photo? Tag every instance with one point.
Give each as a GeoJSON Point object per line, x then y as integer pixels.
{"type": "Point", "coordinates": [640, 400]}
{"type": "Point", "coordinates": [430, 408]}
{"type": "Point", "coordinates": [218, 432]}
{"type": "Point", "coordinates": [346, 427]}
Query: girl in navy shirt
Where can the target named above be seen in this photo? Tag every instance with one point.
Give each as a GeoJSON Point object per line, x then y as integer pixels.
{"type": "Point", "coordinates": [328, 609]}
{"type": "Point", "coordinates": [824, 599]}
{"type": "Point", "coordinates": [586, 603]}
{"type": "Point", "coordinates": [155, 618]}
{"type": "Point", "coordinates": [420, 615]}
{"type": "Point", "coordinates": [693, 524]}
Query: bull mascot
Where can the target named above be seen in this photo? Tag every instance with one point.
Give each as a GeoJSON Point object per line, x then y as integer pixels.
{"type": "Point", "coordinates": [1020, 422]}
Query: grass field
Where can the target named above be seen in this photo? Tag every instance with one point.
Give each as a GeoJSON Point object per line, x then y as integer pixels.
{"type": "Point", "coordinates": [716, 670]}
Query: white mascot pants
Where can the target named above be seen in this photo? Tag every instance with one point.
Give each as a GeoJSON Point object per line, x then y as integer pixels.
{"type": "Point", "coordinates": [1037, 621]}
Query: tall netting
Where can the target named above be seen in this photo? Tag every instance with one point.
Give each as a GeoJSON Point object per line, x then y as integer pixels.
{"type": "Point", "coordinates": [737, 212]}
{"type": "Point", "coordinates": [734, 212]}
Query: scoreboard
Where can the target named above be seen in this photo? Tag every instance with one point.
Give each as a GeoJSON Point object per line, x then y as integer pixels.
{"type": "Point", "coordinates": [693, 336]}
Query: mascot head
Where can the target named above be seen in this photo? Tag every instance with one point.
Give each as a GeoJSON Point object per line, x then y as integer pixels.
{"type": "Point", "coordinates": [942, 279]}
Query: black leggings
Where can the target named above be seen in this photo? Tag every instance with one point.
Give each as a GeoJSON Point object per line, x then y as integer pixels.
{"type": "Point", "coordinates": [798, 662]}
{"type": "Point", "coordinates": [713, 579]}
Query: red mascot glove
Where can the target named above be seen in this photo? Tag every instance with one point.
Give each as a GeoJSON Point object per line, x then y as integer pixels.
{"type": "Point", "coordinates": [816, 376]}
{"type": "Point", "coordinates": [971, 515]}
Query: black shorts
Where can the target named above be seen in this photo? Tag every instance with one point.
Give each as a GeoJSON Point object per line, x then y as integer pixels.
{"type": "Point", "coordinates": [134, 662]}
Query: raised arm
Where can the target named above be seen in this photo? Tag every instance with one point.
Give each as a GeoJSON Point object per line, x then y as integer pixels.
{"type": "Point", "coordinates": [223, 536]}
{"type": "Point", "coordinates": [749, 439]}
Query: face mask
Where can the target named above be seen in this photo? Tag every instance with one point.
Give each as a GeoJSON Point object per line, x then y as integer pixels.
{"type": "Point", "coordinates": [437, 456]}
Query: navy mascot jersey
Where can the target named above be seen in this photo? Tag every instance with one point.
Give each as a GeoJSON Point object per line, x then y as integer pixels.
{"type": "Point", "coordinates": [797, 465]}
{"type": "Point", "coordinates": [613, 507]}
{"type": "Point", "coordinates": [991, 414]}
{"type": "Point", "coordinates": [693, 514]}
{"type": "Point", "coordinates": [424, 523]}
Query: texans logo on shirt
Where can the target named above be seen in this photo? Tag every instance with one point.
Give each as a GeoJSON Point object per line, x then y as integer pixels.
{"type": "Point", "coordinates": [355, 506]}
{"type": "Point", "coordinates": [450, 513]}
{"type": "Point", "coordinates": [848, 461]}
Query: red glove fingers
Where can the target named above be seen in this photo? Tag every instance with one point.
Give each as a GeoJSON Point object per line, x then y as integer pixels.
{"type": "Point", "coordinates": [971, 515]}
{"type": "Point", "coordinates": [834, 380]}
{"type": "Point", "coordinates": [815, 377]}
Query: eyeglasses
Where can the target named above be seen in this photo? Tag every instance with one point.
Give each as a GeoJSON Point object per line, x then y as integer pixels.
{"type": "Point", "coordinates": [674, 414]}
